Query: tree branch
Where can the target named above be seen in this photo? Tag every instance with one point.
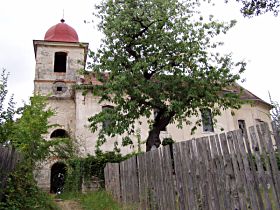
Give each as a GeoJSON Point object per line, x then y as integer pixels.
{"type": "Point", "coordinates": [132, 52]}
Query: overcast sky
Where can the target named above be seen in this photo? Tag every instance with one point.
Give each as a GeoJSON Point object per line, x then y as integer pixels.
{"type": "Point", "coordinates": [256, 40]}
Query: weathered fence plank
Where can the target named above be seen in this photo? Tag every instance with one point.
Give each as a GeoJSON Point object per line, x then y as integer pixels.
{"type": "Point", "coordinates": [269, 157]}
{"type": "Point", "coordinates": [179, 174]}
{"type": "Point", "coordinates": [264, 179]}
{"type": "Point", "coordinates": [212, 190]}
{"type": "Point", "coordinates": [129, 181]}
{"type": "Point", "coordinates": [143, 181]}
{"type": "Point", "coordinates": [251, 175]}
{"type": "Point", "coordinates": [243, 186]}
{"type": "Point", "coordinates": [187, 158]}
{"type": "Point", "coordinates": [112, 180]}
{"type": "Point", "coordinates": [203, 175]}
{"type": "Point", "coordinates": [217, 171]}
{"type": "Point", "coordinates": [237, 186]}
{"type": "Point", "coordinates": [123, 173]}
{"type": "Point", "coordinates": [9, 158]}
{"type": "Point", "coordinates": [229, 171]}
{"type": "Point", "coordinates": [169, 186]}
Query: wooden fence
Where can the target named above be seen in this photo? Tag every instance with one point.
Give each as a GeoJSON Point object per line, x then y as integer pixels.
{"type": "Point", "coordinates": [8, 160]}
{"type": "Point", "coordinates": [219, 172]}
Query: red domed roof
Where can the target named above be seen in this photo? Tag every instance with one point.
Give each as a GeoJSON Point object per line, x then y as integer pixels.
{"type": "Point", "coordinates": [61, 32]}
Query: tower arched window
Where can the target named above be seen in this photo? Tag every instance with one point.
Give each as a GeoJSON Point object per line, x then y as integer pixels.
{"type": "Point", "coordinates": [59, 133]}
{"type": "Point", "coordinates": [60, 59]}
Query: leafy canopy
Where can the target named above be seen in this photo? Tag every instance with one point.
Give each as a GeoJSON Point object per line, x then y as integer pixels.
{"type": "Point", "coordinates": [257, 7]}
{"type": "Point", "coordinates": [29, 130]}
{"type": "Point", "coordinates": [159, 55]}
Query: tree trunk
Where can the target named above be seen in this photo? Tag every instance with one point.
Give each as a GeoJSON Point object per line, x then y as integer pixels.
{"type": "Point", "coordinates": [153, 139]}
{"type": "Point", "coordinates": [161, 121]}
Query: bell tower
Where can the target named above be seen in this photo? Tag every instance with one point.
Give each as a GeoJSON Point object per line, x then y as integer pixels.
{"type": "Point", "coordinates": [59, 57]}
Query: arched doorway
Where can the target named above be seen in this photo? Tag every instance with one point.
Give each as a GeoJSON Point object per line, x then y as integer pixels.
{"type": "Point", "coordinates": [58, 175]}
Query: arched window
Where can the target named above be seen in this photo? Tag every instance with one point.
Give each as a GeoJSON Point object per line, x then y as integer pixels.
{"type": "Point", "coordinates": [59, 133]}
{"type": "Point", "coordinates": [60, 61]}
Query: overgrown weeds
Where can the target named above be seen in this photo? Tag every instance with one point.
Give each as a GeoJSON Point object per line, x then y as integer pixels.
{"type": "Point", "coordinates": [22, 192]}
{"type": "Point", "coordinates": [98, 200]}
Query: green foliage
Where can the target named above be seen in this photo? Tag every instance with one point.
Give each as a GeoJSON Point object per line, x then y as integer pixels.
{"type": "Point", "coordinates": [29, 129]}
{"type": "Point", "coordinates": [73, 181]}
{"type": "Point", "coordinates": [23, 193]}
{"type": "Point", "coordinates": [29, 132]}
{"type": "Point", "coordinates": [167, 141]}
{"type": "Point", "coordinates": [159, 55]}
{"type": "Point", "coordinates": [7, 109]}
{"type": "Point", "coordinates": [278, 158]}
{"type": "Point", "coordinates": [65, 148]}
{"type": "Point", "coordinates": [275, 112]}
{"type": "Point", "coordinates": [100, 200]}
{"type": "Point", "coordinates": [26, 135]}
{"type": "Point", "coordinates": [257, 7]}
{"type": "Point", "coordinates": [265, 160]}
{"type": "Point", "coordinates": [79, 169]}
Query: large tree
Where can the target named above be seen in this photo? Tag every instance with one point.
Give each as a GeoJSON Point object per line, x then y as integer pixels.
{"type": "Point", "coordinates": [158, 55]}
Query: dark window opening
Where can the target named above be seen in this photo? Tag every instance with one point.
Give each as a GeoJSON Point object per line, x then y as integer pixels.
{"type": "Point", "coordinates": [58, 175]}
{"type": "Point", "coordinates": [259, 121]}
{"type": "Point", "coordinates": [60, 62]}
{"type": "Point", "coordinates": [106, 122]}
{"type": "Point", "coordinates": [155, 115]}
{"type": "Point", "coordinates": [59, 133]}
{"type": "Point", "coordinates": [207, 121]}
{"type": "Point", "coordinates": [58, 88]}
{"type": "Point", "coordinates": [242, 126]}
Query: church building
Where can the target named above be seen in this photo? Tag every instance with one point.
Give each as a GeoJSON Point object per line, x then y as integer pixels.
{"type": "Point", "coordinates": [60, 57]}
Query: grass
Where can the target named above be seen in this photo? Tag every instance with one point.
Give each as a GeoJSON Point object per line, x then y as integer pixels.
{"type": "Point", "coordinates": [99, 200]}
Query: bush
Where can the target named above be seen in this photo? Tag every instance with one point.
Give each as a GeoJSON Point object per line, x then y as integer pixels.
{"type": "Point", "coordinates": [22, 192]}
{"type": "Point", "coordinates": [100, 200]}
{"type": "Point", "coordinates": [167, 141]}
{"type": "Point", "coordinates": [84, 168]}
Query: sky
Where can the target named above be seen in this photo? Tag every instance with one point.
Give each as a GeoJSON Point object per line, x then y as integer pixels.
{"type": "Point", "coordinates": [255, 40]}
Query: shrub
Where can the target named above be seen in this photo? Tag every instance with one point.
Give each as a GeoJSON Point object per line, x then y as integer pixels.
{"type": "Point", "coordinates": [22, 192]}
{"type": "Point", "coordinates": [84, 168]}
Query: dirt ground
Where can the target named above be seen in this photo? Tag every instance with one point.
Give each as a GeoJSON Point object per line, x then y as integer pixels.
{"type": "Point", "coordinates": [68, 205]}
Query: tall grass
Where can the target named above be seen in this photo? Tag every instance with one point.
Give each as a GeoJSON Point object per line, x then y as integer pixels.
{"type": "Point", "coordinates": [99, 200]}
